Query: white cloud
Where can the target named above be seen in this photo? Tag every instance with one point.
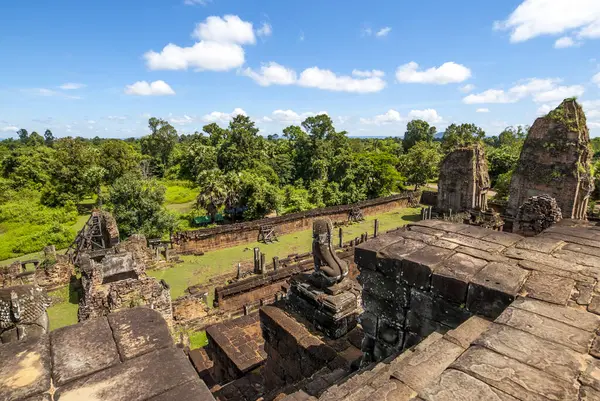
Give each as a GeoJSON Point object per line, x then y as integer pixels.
{"type": "Point", "coordinates": [219, 47]}
{"type": "Point", "coordinates": [325, 79]}
{"type": "Point", "coordinates": [10, 128]}
{"type": "Point", "coordinates": [564, 42]}
{"type": "Point", "coordinates": [201, 56]}
{"type": "Point", "coordinates": [542, 90]}
{"type": "Point", "coordinates": [229, 29]}
{"type": "Point", "coordinates": [290, 116]}
{"type": "Point", "coordinates": [489, 96]}
{"type": "Point", "coordinates": [467, 88]}
{"type": "Point", "coordinates": [143, 88]}
{"type": "Point", "coordinates": [265, 30]}
{"type": "Point", "coordinates": [314, 77]}
{"type": "Point", "coordinates": [217, 116]}
{"type": "Point", "coordinates": [368, 74]}
{"type": "Point", "coordinates": [391, 116]}
{"type": "Point", "coordinates": [272, 74]}
{"type": "Point", "coordinates": [559, 93]}
{"type": "Point", "coordinates": [383, 32]}
{"type": "Point", "coordinates": [49, 92]}
{"type": "Point", "coordinates": [534, 18]}
{"type": "Point", "coordinates": [482, 110]}
{"type": "Point", "coordinates": [448, 72]}
{"type": "Point", "coordinates": [72, 86]}
{"type": "Point", "coordinates": [429, 115]}
{"type": "Point", "coordinates": [117, 118]}
{"type": "Point", "coordinates": [367, 32]}
{"type": "Point", "coordinates": [596, 79]}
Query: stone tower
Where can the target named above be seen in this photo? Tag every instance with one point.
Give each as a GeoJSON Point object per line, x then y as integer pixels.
{"type": "Point", "coordinates": [464, 180]}
{"type": "Point", "coordinates": [556, 160]}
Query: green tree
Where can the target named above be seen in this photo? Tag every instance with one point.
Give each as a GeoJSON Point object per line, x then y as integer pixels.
{"type": "Point", "coordinates": [159, 144]}
{"type": "Point", "coordinates": [242, 147]}
{"type": "Point", "coordinates": [421, 163]}
{"type": "Point", "coordinates": [48, 138]}
{"type": "Point", "coordinates": [217, 190]}
{"type": "Point", "coordinates": [23, 135]}
{"type": "Point", "coordinates": [137, 205]}
{"type": "Point", "coordinates": [117, 159]}
{"type": "Point", "coordinates": [258, 195]}
{"type": "Point", "coordinates": [417, 131]}
{"type": "Point", "coordinates": [458, 136]}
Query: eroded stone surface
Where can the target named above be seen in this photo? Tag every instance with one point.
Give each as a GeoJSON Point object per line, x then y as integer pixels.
{"type": "Point", "coordinates": [572, 317]}
{"type": "Point", "coordinates": [513, 377]}
{"type": "Point", "coordinates": [138, 331]}
{"type": "Point", "coordinates": [467, 332]}
{"type": "Point", "coordinates": [548, 329]}
{"type": "Point", "coordinates": [451, 279]}
{"type": "Point", "coordinates": [82, 349]}
{"type": "Point", "coordinates": [454, 385]}
{"type": "Point", "coordinates": [549, 288]}
{"type": "Point", "coordinates": [24, 368]}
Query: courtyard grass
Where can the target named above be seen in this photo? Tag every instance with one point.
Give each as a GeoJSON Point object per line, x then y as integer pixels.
{"type": "Point", "coordinates": [199, 269]}
{"type": "Point", "coordinates": [63, 311]}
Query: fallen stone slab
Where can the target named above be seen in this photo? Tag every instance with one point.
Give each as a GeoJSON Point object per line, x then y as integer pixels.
{"type": "Point", "coordinates": [468, 332]}
{"type": "Point", "coordinates": [578, 277]}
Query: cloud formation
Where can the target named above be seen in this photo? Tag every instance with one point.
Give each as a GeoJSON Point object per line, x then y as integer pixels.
{"type": "Point", "coordinates": [541, 91]}
{"type": "Point", "coordinates": [447, 73]}
{"type": "Point", "coordinates": [143, 88]}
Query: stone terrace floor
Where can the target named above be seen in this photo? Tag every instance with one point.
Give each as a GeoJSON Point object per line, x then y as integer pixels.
{"type": "Point", "coordinates": [127, 356]}
{"type": "Point", "coordinates": [543, 346]}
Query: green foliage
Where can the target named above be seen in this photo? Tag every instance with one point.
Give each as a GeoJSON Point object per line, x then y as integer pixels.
{"type": "Point", "coordinates": [458, 136]}
{"type": "Point", "coordinates": [502, 186]}
{"type": "Point", "coordinates": [137, 205]}
{"type": "Point", "coordinates": [159, 145]}
{"type": "Point", "coordinates": [258, 195]}
{"type": "Point", "coordinates": [417, 131]}
{"type": "Point", "coordinates": [421, 164]}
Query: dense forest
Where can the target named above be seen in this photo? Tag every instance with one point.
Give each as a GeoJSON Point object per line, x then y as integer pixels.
{"type": "Point", "coordinates": [46, 182]}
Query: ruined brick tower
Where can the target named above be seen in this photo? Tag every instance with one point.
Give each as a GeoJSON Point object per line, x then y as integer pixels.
{"type": "Point", "coordinates": [464, 180]}
{"type": "Point", "coordinates": [556, 160]}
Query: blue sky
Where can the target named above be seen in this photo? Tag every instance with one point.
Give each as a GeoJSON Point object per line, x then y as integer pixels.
{"type": "Point", "coordinates": [102, 68]}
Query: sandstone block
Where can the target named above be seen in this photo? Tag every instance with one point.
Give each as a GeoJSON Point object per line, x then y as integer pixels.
{"type": "Point", "coordinates": [191, 391]}
{"type": "Point", "coordinates": [539, 244]}
{"type": "Point", "coordinates": [547, 329]}
{"type": "Point", "coordinates": [416, 268]}
{"type": "Point", "coordinates": [451, 280]}
{"type": "Point", "coordinates": [570, 316]}
{"type": "Point", "coordinates": [82, 349]}
{"type": "Point", "coordinates": [422, 326]}
{"type": "Point", "coordinates": [421, 368]}
{"type": "Point", "coordinates": [365, 254]}
{"type": "Point", "coordinates": [389, 259]}
{"type": "Point", "coordinates": [579, 248]}
{"type": "Point", "coordinates": [138, 331]}
{"type": "Point", "coordinates": [494, 288]}
{"type": "Point", "coordinates": [25, 368]}
{"type": "Point", "coordinates": [393, 311]}
{"type": "Point", "coordinates": [437, 309]}
{"type": "Point", "coordinates": [502, 238]}
{"type": "Point", "coordinates": [512, 377]}
{"type": "Point", "coordinates": [454, 385]}
{"type": "Point", "coordinates": [467, 332]}
{"type": "Point", "coordinates": [473, 243]}
{"type": "Point", "coordinates": [384, 287]}
{"type": "Point", "coordinates": [531, 350]}
{"type": "Point", "coordinates": [548, 287]}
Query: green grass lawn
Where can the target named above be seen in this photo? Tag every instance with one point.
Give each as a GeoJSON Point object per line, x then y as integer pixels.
{"type": "Point", "coordinates": [198, 269]}
{"type": "Point", "coordinates": [63, 311]}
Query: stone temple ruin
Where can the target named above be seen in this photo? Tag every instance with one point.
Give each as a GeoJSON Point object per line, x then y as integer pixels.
{"type": "Point", "coordinates": [23, 313]}
{"type": "Point", "coordinates": [464, 180]}
{"type": "Point", "coordinates": [556, 160]}
{"type": "Point", "coordinates": [441, 311]}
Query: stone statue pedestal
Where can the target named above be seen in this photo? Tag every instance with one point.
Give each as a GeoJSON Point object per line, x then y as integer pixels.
{"type": "Point", "coordinates": [331, 308]}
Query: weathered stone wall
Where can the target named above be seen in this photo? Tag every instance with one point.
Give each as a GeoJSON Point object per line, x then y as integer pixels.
{"type": "Point", "coordinates": [464, 180]}
{"type": "Point", "coordinates": [555, 160]}
{"type": "Point", "coordinates": [235, 348]}
{"type": "Point", "coordinates": [294, 353]}
{"type": "Point", "coordinates": [431, 276]}
{"type": "Point", "coordinates": [242, 233]}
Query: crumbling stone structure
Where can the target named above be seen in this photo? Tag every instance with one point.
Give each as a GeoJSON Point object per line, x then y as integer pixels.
{"type": "Point", "coordinates": [464, 180]}
{"type": "Point", "coordinates": [537, 214]}
{"type": "Point", "coordinates": [127, 355]}
{"type": "Point", "coordinates": [120, 281]}
{"type": "Point", "coordinates": [556, 160]}
{"type": "Point", "coordinates": [23, 313]}
{"type": "Point", "coordinates": [235, 347]}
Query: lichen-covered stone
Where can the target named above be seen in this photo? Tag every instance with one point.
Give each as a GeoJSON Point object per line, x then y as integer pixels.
{"type": "Point", "coordinates": [556, 161]}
